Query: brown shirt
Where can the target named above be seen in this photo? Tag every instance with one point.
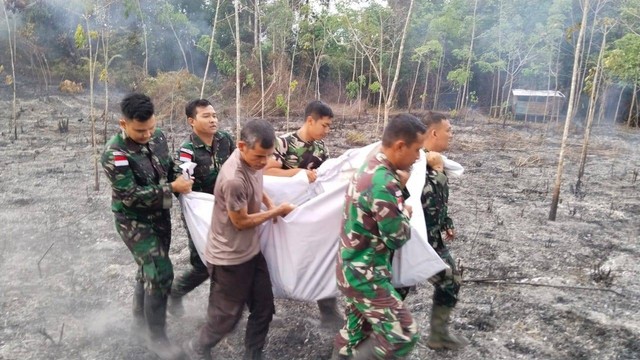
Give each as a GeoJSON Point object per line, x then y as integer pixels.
{"type": "Point", "coordinates": [238, 186]}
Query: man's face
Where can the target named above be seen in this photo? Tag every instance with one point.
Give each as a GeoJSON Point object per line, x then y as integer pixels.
{"type": "Point", "coordinates": [205, 123]}
{"type": "Point", "coordinates": [439, 136]}
{"type": "Point", "coordinates": [255, 157]}
{"type": "Point", "coordinates": [319, 129]}
{"type": "Point", "coordinates": [140, 132]}
{"type": "Point", "coordinates": [407, 154]}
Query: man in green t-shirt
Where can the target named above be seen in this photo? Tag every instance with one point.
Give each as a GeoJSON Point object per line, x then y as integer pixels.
{"type": "Point", "coordinates": [304, 150]}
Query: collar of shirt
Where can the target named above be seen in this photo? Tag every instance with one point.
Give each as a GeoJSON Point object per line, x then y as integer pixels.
{"type": "Point", "coordinates": [198, 143]}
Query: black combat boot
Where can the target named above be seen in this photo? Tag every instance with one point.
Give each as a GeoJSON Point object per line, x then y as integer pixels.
{"type": "Point", "coordinates": [365, 350]}
{"type": "Point", "coordinates": [139, 323]}
{"type": "Point", "coordinates": [155, 311]}
{"type": "Point", "coordinates": [252, 354]}
{"type": "Point", "coordinates": [330, 316]}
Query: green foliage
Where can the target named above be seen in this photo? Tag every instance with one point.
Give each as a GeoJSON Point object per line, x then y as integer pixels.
{"type": "Point", "coordinates": [249, 81]}
{"type": "Point", "coordinates": [281, 104]}
{"type": "Point", "coordinates": [80, 37]}
{"type": "Point", "coordinates": [375, 87]}
{"type": "Point", "coordinates": [458, 77]}
{"type": "Point", "coordinates": [352, 89]}
{"type": "Point", "coordinates": [623, 61]}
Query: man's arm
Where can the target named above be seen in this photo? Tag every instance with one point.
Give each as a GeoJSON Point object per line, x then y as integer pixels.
{"type": "Point", "coordinates": [274, 168]}
{"type": "Point", "coordinates": [124, 185]}
{"type": "Point", "coordinates": [242, 220]}
{"type": "Point", "coordinates": [391, 214]}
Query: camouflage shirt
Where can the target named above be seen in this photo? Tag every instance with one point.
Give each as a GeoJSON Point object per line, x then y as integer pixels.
{"type": "Point", "coordinates": [140, 176]}
{"type": "Point", "coordinates": [209, 158]}
{"type": "Point", "coordinates": [435, 196]}
{"type": "Point", "coordinates": [292, 152]}
{"type": "Point", "coordinates": [375, 222]}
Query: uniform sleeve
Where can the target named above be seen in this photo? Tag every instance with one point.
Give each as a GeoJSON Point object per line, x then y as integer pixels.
{"type": "Point", "coordinates": [434, 200]}
{"type": "Point", "coordinates": [232, 143]}
{"type": "Point", "coordinates": [125, 187]}
{"type": "Point", "coordinates": [391, 214]}
{"type": "Point", "coordinates": [185, 153]}
{"type": "Point", "coordinates": [235, 194]}
{"type": "Point", "coordinates": [280, 151]}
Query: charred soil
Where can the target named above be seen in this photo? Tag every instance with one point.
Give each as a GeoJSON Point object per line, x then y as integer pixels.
{"type": "Point", "coordinates": [535, 289]}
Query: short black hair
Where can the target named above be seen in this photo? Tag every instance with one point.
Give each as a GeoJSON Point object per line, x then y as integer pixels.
{"type": "Point", "coordinates": [136, 106]}
{"type": "Point", "coordinates": [431, 118]}
{"type": "Point", "coordinates": [258, 131]}
{"type": "Point", "coordinates": [190, 109]}
{"type": "Point", "coordinates": [317, 110]}
{"type": "Point", "coordinates": [403, 127]}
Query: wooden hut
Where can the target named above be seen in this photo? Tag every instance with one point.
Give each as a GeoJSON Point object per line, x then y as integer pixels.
{"type": "Point", "coordinates": [536, 104]}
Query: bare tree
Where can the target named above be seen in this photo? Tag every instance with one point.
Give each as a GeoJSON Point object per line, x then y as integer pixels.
{"type": "Point", "coordinates": [144, 35]}
{"type": "Point", "coordinates": [236, 14]}
{"type": "Point", "coordinates": [213, 36]}
{"type": "Point", "coordinates": [465, 87]}
{"type": "Point", "coordinates": [595, 88]}
{"type": "Point", "coordinates": [389, 100]}
{"type": "Point", "coordinates": [567, 123]}
{"type": "Point", "coordinates": [12, 50]}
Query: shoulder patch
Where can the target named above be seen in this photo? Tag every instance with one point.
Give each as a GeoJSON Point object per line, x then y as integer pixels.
{"type": "Point", "coordinates": [186, 155]}
{"type": "Point", "coordinates": [120, 159]}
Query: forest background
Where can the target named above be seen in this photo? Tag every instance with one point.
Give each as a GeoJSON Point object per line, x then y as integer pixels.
{"type": "Point", "coordinates": [446, 55]}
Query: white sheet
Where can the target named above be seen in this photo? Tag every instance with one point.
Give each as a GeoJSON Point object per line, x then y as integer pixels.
{"type": "Point", "coordinates": [301, 249]}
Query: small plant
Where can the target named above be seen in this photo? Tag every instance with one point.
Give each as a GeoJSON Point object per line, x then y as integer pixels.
{"type": "Point", "coordinates": [602, 275]}
{"type": "Point", "coordinates": [281, 103]}
{"type": "Point", "coordinates": [63, 126]}
{"type": "Point", "coordinates": [356, 138]}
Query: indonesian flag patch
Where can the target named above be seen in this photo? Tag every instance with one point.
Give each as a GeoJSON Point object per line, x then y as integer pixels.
{"type": "Point", "coordinates": [186, 155]}
{"type": "Point", "coordinates": [120, 159]}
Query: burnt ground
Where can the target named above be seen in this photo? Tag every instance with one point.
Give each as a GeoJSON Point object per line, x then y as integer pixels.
{"type": "Point", "coordinates": [567, 289]}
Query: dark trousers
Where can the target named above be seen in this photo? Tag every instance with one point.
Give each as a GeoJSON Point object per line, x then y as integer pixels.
{"type": "Point", "coordinates": [233, 287]}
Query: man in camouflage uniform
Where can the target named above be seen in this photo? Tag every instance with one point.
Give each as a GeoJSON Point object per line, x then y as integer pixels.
{"type": "Point", "coordinates": [143, 178]}
{"type": "Point", "coordinates": [304, 150]}
{"type": "Point", "coordinates": [375, 223]}
{"type": "Point", "coordinates": [208, 148]}
{"type": "Point", "coordinates": [435, 195]}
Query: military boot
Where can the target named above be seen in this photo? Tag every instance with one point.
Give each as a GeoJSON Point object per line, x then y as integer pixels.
{"type": "Point", "coordinates": [155, 310]}
{"type": "Point", "coordinates": [335, 355]}
{"type": "Point", "coordinates": [365, 350]}
{"type": "Point", "coordinates": [139, 322]}
{"type": "Point", "coordinates": [252, 354]}
{"type": "Point", "coordinates": [330, 316]}
{"type": "Point", "coordinates": [175, 305]}
{"type": "Point", "coordinates": [440, 338]}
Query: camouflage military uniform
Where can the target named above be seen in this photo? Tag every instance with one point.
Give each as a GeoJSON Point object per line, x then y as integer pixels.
{"type": "Point", "coordinates": [435, 196]}
{"type": "Point", "coordinates": [292, 152]}
{"type": "Point", "coordinates": [375, 223]}
{"type": "Point", "coordinates": [209, 159]}
{"type": "Point", "coordinates": [140, 177]}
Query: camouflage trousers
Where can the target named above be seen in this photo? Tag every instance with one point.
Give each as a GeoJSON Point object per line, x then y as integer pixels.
{"type": "Point", "coordinates": [447, 282]}
{"type": "Point", "coordinates": [193, 277]}
{"type": "Point", "coordinates": [385, 319]}
{"type": "Point", "coordinates": [149, 243]}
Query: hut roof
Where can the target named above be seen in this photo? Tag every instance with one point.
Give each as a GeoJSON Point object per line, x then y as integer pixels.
{"type": "Point", "coordinates": [543, 93]}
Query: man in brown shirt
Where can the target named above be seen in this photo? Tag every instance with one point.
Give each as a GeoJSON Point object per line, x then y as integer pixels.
{"type": "Point", "coordinates": [239, 272]}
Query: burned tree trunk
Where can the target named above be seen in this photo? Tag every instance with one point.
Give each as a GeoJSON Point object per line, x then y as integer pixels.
{"type": "Point", "coordinates": [574, 79]}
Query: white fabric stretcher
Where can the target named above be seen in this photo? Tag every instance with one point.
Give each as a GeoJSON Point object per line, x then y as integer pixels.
{"type": "Point", "coordinates": [301, 248]}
